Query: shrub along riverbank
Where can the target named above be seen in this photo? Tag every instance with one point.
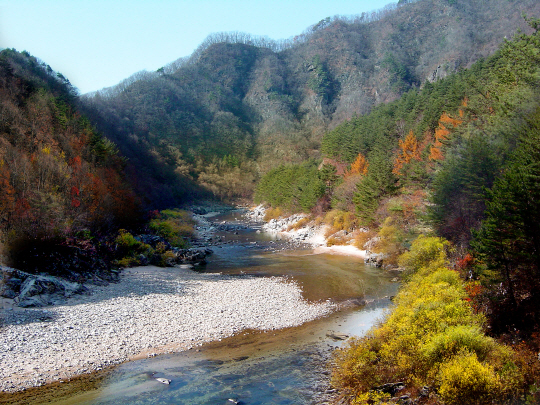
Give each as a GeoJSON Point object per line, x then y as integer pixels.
{"type": "Point", "coordinates": [432, 347]}
{"type": "Point", "coordinates": [460, 159]}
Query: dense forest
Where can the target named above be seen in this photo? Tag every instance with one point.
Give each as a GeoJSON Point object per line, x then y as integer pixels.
{"type": "Point", "coordinates": [242, 105]}
{"type": "Point", "coordinates": [67, 197]}
{"type": "Point", "coordinates": [59, 178]}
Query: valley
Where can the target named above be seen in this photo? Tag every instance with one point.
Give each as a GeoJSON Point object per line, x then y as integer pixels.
{"type": "Point", "coordinates": [408, 137]}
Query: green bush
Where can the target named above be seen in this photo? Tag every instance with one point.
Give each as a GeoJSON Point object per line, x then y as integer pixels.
{"type": "Point", "coordinates": [127, 245]}
{"type": "Point", "coordinates": [129, 248]}
{"type": "Point", "coordinates": [127, 262]}
{"type": "Point", "coordinates": [176, 226]}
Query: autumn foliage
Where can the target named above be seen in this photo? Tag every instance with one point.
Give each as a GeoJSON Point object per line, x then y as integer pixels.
{"type": "Point", "coordinates": [446, 124]}
{"type": "Point", "coordinates": [408, 150]}
{"type": "Point", "coordinates": [58, 177]}
{"type": "Point", "coordinates": [359, 166]}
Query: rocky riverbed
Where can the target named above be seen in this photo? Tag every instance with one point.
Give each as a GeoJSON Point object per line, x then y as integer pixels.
{"type": "Point", "coordinates": [150, 311]}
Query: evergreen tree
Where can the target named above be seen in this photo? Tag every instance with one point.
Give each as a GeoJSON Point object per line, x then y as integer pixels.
{"type": "Point", "coordinates": [509, 239]}
{"type": "Point", "coordinates": [294, 187]}
{"type": "Point", "coordinates": [379, 182]}
{"type": "Point", "coordinates": [459, 188]}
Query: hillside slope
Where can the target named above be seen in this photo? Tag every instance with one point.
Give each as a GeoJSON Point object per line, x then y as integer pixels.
{"type": "Point", "coordinates": [59, 178]}
{"type": "Point", "coordinates": [241, 105]}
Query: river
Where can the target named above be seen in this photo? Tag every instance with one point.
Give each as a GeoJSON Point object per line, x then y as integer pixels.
{"type": "Point", "coordinates": [280, 367]}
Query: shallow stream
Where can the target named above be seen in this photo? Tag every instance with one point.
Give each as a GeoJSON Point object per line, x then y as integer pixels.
{"type": "Point", "coordinates": [279, 367]}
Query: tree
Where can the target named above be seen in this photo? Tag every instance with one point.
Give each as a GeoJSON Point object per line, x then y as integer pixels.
{"type": "Point", "coordinates": [459, 188]}
{"type": "Point", "coordinates": [441, 135]}
{"type": "Point", "coordinates": [7, 192]}
{"type": "Point", "coordinates": [327, 174]}
{"type": "Point", "coordinates": [359, 166]}
{"type": "Point", "coordinates": [294, 187]}
{"type": "Point", "coordinates": [379, 182]}
{"type": "Point", "coordinates": [408, 150]}
{"type": "Point", "coordinates": [509, 239]}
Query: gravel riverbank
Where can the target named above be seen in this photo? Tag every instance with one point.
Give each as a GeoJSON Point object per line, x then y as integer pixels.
{"type": "Point", "coordinates": [150, 311]}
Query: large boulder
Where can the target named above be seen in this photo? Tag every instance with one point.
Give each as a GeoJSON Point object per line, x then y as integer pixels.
{"type": "Point", "coordinates": [47, 290]}
{"type": "Point", "coordinates": [30, 290]}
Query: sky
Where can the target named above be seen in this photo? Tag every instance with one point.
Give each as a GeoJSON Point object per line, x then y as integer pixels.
{"type": "Point", "coordinates": [99, 43]}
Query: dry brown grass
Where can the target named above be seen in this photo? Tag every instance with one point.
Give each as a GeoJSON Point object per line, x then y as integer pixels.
{"type": "Point", "coordinates": [362, 237]}
{"type": "Point", "coordinates": [273, 213]}
{"type": "Point", "coordinates": [301, 223]}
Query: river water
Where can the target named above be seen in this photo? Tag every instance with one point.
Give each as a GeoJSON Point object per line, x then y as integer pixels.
{"type": "Point", "coordinates": [280, 367]}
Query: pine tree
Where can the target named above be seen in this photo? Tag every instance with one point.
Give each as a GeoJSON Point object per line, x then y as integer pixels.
{"type": "Point", "coordinates": [379, 182]}
{"type": "Point", "coordinates": [459, 188]}
{"type": "Point", "coordinates": [509, 239]}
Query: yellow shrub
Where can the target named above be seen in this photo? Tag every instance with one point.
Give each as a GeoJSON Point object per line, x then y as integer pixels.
{"type": "Point", "coordinates": [340, 220]}
{"type": "Point", "coordinates": [357, 366]}
{"type": "Point", "coordinates": [425, 251]}
{"type": "Point", "coordinates": [333, 240]}
{"type": "Point", "coordinates": [390, 242]}
{"type": "Point", "coordinates": [301, 223]}
{"type": "Point", "coordinates": [454, 340]}
{"type": "Point", "coordinates": [432, 337]}
{"type": "Point", "coordinates": [126, 262]}
{"type": "Point", "coordinates": [464, 380]}
{"type": "Point", "coordinates": [373, 397]}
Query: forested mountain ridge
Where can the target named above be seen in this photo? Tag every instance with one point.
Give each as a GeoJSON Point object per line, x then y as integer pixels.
{"type": "Point", "coordinates": [241, 105]}
{"type": "Point", "coordinates": [415, 149]}
{"type": "Point", "coordinates": [60, 180]}
{"type": "Point", "coordinates": [442, 184]}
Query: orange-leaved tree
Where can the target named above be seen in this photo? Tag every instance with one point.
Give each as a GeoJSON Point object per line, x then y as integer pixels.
{"type": "Point", "coordinates": [441, 134]}
{"type": "Point", "coordinates": [408, 150]}
{"type": "Point", "coordinates": [359, 166]}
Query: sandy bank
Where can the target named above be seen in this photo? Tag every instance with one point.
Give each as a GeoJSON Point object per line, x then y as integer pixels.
{"type": "Point", "coordinates": [346, 250]}
{"type": "Point", "coordinates": [152, 310]}
{"type": "Point", "coordinates": [310, 233]}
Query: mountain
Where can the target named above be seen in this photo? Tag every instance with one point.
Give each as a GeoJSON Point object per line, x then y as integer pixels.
{"type": "Point", "coordinates": [59, 178]}
{"type": "Point", "coordinates": [240, 105]}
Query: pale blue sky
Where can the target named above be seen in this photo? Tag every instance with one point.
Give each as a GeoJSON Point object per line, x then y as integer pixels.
{"type": "Point", "coordinates": [98, 43]}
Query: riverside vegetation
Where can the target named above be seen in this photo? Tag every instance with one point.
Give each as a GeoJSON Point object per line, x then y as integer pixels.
{"type": "Point", "coordinates": [458, 159]}
{"type": "Point", "coordinates": [433, 346]}
{"type": "Point", "coordinates": [67, 206]}
{"type": "Point", "coordinates": [447, 146]}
